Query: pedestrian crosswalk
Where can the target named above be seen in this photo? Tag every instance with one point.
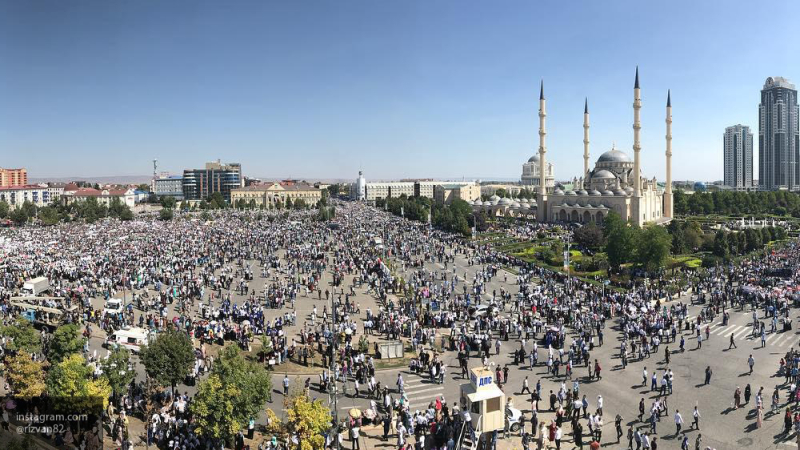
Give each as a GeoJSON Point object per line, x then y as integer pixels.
{"type": "Point", "coordinates": [420, 392]}
{"type": "Point", "coordinates": [783, 339]}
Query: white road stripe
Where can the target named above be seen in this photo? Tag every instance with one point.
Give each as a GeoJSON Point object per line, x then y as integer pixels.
{"type": "Point", "coordinates": [722, 331]}
{"type": "Point", "coordinates": [745, 330]}
{"type": "Point", "coordinates": [440, 388]}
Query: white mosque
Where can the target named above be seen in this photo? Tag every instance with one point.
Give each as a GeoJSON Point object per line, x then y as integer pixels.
{"type": "Point", "coordinates": [530, 173]}
{"type": "Point", "coordinates": [615, 184]}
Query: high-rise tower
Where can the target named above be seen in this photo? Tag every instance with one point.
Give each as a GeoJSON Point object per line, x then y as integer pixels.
{"type": "Point", "coordinates": [778, 146]}
{"type": "Point", "coordinates": [738, 157]}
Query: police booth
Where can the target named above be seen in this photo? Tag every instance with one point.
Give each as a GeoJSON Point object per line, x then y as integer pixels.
{"type": "Point", "coordinates": [484, 400]}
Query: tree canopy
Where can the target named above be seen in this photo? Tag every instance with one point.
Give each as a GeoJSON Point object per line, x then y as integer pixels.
{"type": "Point", "coordinates": [168, 358]}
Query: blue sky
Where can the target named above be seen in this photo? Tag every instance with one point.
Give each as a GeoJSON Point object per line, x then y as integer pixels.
{"type": "Point", "coordinates": [317, 89]}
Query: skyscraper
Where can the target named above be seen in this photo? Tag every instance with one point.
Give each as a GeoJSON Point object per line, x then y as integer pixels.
{"type": "Point", "coordinates": [778, 144]}
{"type": "Point", "coordinates": [199, 184]}
{"type": "Point", "coordinates": [738, 151]}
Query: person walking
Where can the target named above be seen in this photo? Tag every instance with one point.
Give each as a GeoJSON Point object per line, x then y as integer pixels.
{"type": "Point", "coordinates": [696, 419]}
{"type": "Point", "coordinates": [708, 375]}
{"type": "Point", "coordinates": [678, 422]}
{"type": "Point", "coordinates": [732, 344]}
{"type": "Point", "coordinates": [525, 387]}
{"type": "Point", "coordinates": [285, 384]}
{"type": "Point", "coordinates": [751, 362]}
{"type": "Point", "coordinates": [618, 426]}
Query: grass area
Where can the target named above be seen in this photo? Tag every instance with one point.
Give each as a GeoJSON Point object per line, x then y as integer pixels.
{"type": "Point", "coordinates": [688, 261]}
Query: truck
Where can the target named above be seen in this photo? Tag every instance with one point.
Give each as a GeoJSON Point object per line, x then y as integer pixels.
{"type": "Point", "coordinates": [35, 287]}
{"type": "Point", "coordinates": [44, 316]}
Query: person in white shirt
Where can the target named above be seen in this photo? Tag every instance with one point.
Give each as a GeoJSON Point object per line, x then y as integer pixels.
{"type": "Point", "coordinates": [678, 422]}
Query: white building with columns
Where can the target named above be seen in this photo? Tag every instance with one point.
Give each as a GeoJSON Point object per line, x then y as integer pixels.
{"type": "Point", "coordinates": [615, 184]}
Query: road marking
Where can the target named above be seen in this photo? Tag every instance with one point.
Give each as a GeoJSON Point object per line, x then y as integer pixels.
{"type": "Point", "coordinates": [721, 331]}
{"type": "Point", "coordinates": [440, 388]}
{"type": "Point", "coordinates": [742, 332]}
{"type": "Point", "coordinates": [769, 338]}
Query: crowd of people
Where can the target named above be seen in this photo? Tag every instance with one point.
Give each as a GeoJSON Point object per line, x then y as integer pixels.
{"type": "Point", "coordinates": [239, 278]}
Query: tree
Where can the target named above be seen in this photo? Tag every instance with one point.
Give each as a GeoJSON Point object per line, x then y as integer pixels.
{"type": "Point", "coordinates": [23, 337]}
{"type": "Point", "coordinates": [49, 215]}
{"type": "Point", "coordinates": [67, 340]}
{"type": "Point", "coordinates": [589, 236]}
{"type": "Point", "coordinates": [216, 201]}
{"type": "Point", "coordinates": [620, 240]}
{"type": "Point", "coordinates": [299, 204]}
{"type": "Point", "coordinates": [117, 370]}
{"type": "Point", "coordinates": [168, 358]}
{"type": "Point", "coordinates": [3, 209]}
{"type": "Point", "coordinates": [306, 419]}
{"type": "Point", "coordinates": [72, 383]}
{"type": "Point", "coordinates": [721, 247]}
{"type": "Point", "coordinates": [653, 247]}
{"type": "Point", "coordinates": [165, 214]}
{"type": "Point", "coordinates": [25, 376]}
{"type": "Point", "coordinates": [126, 214]}
{"type": "Point", "coordinates": [18, 216]}
{"type": "Point", "coordinates": [247, 387]}
{"type": "Point", "coordinates": [167, 201]}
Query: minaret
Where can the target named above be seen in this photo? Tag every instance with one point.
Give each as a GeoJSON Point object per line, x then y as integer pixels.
{"type": "Point", "coordinates": [541, 212]}
{"type": "Point", "coordinates": [637, 105]}
{"type": "Point", "coordinates": [586, 139]}
{"type": "Point", "coordinates": [668, 187]}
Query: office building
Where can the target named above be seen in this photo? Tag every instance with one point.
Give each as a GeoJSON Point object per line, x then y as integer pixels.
{"type": "Point", "coordinates": [13, 177]}
{"type": "Point", "coordinates": [170, 186]}
{"type": "Point", "coordinates": [444, 194]}
{"type": "Point", "coordinates": [15, 196]}
{"type": "Point", "coordinates": [199, 184]}
{"type": "Point", "coordinates": [738, 152]}
{"type": "Point", "coordinates": [778, 144]}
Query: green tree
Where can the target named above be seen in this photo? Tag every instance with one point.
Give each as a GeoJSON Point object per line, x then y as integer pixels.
{"type": "Point", "coordinates": [721, 247]}
{"type": "Point", "coordinates": [167, 201]}
{"type": "Point", "coordinates": [620, 240]}
{"type": "Point", "coordinates": [23, 337]}
{"type": "Point", "coordinates": [25, 376]}
{"type": "Point", "coordinates": [165, 214]}
{"type": "Point", "coordinates": [589, 236]}
{"type": "Point", "coordinates": [72, 383]}
{"type": "Point", "coordinates": [168, 358]}
{"type": "Point", "coordinates": [653, 247]}
{"type": "Point", "coordinates": [3, 209]}
{"type": "Point", "coordinates": [221, 417]}
{"type": "Point", "coordinates": [118, 371]}
{"type": "Point", "coordinates": [49, 215]}
{"type": "Point", "coordinates": [67, 340]}
{"type": "Point", "coordinates": [299, 204]}
{"type": "Point", "coordinates": [18, 216]}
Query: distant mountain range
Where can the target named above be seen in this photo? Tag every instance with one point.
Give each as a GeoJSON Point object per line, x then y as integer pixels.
{"type": "Point", "coordinates": [119, 179]}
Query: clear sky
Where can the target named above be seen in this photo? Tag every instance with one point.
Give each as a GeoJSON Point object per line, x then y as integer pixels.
{"type": "Point", "coordinates": [312, 89]}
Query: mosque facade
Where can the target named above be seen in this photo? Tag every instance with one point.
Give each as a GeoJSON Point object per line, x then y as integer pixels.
{"type": "Point", "coordinates": [615, 183]}
{"type": "Point", "coordinates": [530, 173]}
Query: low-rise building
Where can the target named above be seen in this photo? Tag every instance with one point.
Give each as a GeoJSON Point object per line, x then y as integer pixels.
{"type": "Point", "coordinates": [270, 194]}
{"type": "Point", "coordinates": [103, 197]}
{"type": "Point", "coordinates": [15, 196]}
{"type": "Point", "coordinates": [445, 193]}
{"type": "Point", "coordinates": [389, 189]}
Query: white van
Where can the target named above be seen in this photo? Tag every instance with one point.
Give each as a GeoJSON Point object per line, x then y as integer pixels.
{"type": "Point", "coordinates": [132, 338]}
{"type": "Point", "coordinates": [113, 306]}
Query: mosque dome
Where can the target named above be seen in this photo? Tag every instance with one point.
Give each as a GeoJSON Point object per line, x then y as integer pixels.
{"type": "Point", "coordinates": [534, 158]}
{"type": "Point", "coordinates": [621, 192]}
{"type": "Point", "coordinates": [558, 192]}
{"type": "Point", "coordinates": [505, 201]}
{"type": "Point", "coordinates": [594, 192]}
{"type": "Point", "coordinates": [614, 155]}
{"type": "Point", "coordinates": [603, 173]}
{"type": "Point", "coordinates": [582, 192]}
{"type": "Point", "coordinates": [608, 193]}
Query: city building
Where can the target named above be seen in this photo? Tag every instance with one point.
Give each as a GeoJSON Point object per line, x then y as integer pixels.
{"type": "Point", "coordinates": [615, 183]}
{"type": "Point", "coordinates": [530, 173]}
{"type": "Point", "coordinates": [55, 191]}
{"type": "Point", "coordinates": [270, 194]}
{"type": "Point", "coordinates": [778, 146]}
{"type": "Point", "coordinates": [425, 188]}
{"type": "Point", "coordinates": [199, 184]}
{"type": "Point", "coordinates": [170, 186]}
{"type": "Point", "coordinates": [126, 196]}
{"type": "Point", "coordinates": [388, 189]}
{"type": "Point", "coordinates": [13, 177]}
{"type": "Point", "coordinates": [446, 193]}
{"type": "Point", "coordinates": [15, 196]}
{"type": "Point", "coordinates": [738, 153]}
